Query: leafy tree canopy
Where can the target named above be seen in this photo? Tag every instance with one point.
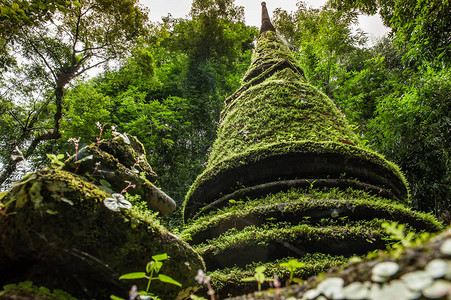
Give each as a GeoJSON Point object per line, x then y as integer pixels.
{"type": "Point", "coordinates": [423, 26]}
{"type": "Point", "coordinates": [53, 52]}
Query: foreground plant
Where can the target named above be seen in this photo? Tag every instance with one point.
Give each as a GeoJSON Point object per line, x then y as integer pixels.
{"type": "Point", "coordinates": [201, 278]}
{"type": "Point", "coordinates": [101, 128]}
{"type": "Point", "coordinates": [76, 145]}
{"type": "Point", "coordinates": [400, 238]}
{"type": "Point", "coordinates": [259, 276]}
{"type": "Point", "coordinates": [152, 270]}
{"type": "Point", "coordinates": [292, 265]}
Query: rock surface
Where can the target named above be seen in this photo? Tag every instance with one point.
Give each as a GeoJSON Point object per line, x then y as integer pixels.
{"type": "Point", "coordinates": [113, 164]}
{"type": "Point", "coordinates": [61, 231]}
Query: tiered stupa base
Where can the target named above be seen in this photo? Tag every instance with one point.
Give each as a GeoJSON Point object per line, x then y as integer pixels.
{"type": "Point", "coordinates": [320, 227]}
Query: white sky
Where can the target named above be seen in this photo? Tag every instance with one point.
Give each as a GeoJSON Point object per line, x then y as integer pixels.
{"type": "Point", "coordinates": [252, 9]}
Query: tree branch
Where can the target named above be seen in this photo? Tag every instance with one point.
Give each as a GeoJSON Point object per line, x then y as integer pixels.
{"type": "Point", "coordinates": [17, 119]}
{"type": "Point", "coordinates": [44, 60]}
{"type": "Point", "coordinates": [77, 32]}
{"type": "Point", "coordinates": [93, 66]}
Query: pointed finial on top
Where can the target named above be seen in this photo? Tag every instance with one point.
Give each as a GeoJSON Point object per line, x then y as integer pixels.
{"type": "Point", "coordinates": [266, 22]}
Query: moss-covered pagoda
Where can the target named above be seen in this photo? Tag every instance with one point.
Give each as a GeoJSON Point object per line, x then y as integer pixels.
{"type": "Point", "coordinates": [288, 178]}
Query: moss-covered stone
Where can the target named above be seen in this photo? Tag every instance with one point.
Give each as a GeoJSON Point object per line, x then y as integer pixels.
{"type": "Point", "coordinates": [306, 206]}
{"type": "Point", "coordinates": [421, 272]}
{"type": "Point", "coordinates": [131, 155]}
{"type": "Point", "coordinates": [113, 165]}
{"type": "Point", "coordinates": [58, 233]}
{"type": "Point", "coordinates": [228, 281]}
{"type": "Point", "coordinates": [267, 243]}
{"type": "Point", "coordinates": [27, 291]}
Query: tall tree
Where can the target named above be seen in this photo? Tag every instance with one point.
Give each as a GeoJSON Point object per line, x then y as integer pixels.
{"type": "Point", "coordinates": [84, 35]}
{"type": "Point", "coordinates": [322, 36]}
{"type": "Point", "coordinates": [366, 76]}
{"type": "Point", "coordinates": [423, 26]}
{"type": "Point", "coordinates": [412, 127]}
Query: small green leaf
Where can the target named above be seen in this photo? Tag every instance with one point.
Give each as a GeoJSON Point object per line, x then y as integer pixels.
{"type": "Point", "coordinates": [60, 156]}
{"type": "Point", "coordinates": [149, 266]}
{"type": "Point", "coordinates": [116, 298]}
{"type": "Point", "coordinates": [154, 265]}
{"type": "Point", "coordinates": [260, 277]}
{"type": "Point", "coordinates": [168, 279]}
{"type": "Point", "coordinates": [10, 286]}
{"type": "Point", "coordinates": [260, 269]}
{"type": "Point", "coordinates": [106, 189]}
{"type": "Point", "coordinates": [157, 266]}
{"type": "Point", "coordinates": [51, 212]}
{"type": "Point", "coordinates": [136, 275]}
{"type": "Point", "coordinates": [159, 257]}
{"type": "Point", "coordinates": [26, 284]}
{"type": "Point", "coordinates": [292, 264]}
{"type": "Point", "coordinates": [3, 194]}
{"type": "Point", "coordinates": [51, 157]}
{"type": "Point", "coordinates": [44, 290]}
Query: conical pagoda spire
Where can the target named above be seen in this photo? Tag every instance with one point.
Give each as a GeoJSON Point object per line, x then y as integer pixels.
{"type": "Point", "coordinates": [287, 177]}
{"type": "Point", "coordinates": [266, 22]}
{"type": "Point", "coordinates": [279, 126]}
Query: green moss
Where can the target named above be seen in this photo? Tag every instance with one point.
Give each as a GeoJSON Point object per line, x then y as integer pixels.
{"type": "Point", "coordinates": [281, 233]}
{"type": "Point", "coordinates": [132, 156]}
{"type": "Point", "coordinates": [227, 281]}
{"type": "Point", "coordinates": [254, 155]}
{"type": "Point", "coordinates": [305, 205]}
{"type": "Point", "coordinates": [269, 50]}
{"type": "Point", "coordinates": [278, 110]}
{"type": "Point", "coordinates": [62, 227]}
{"type": "Point", "coordinates": [101, 166]}
{"type": "Point", "coordinates": [26, 290]}
{"type": "Point", "coordinates": [59, 186]}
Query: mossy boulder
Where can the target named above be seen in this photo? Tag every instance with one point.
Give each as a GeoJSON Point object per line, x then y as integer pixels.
{"type": "Point", "coordinates": [115, 164]}
{"type": "Point", "coordinates": [57, 232]}
{"type": "Point", "coordinates": [130, 153]}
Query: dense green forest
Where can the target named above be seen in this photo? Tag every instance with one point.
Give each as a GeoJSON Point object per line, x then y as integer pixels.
{"type": "Point", "coordinates": [166, 82]}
